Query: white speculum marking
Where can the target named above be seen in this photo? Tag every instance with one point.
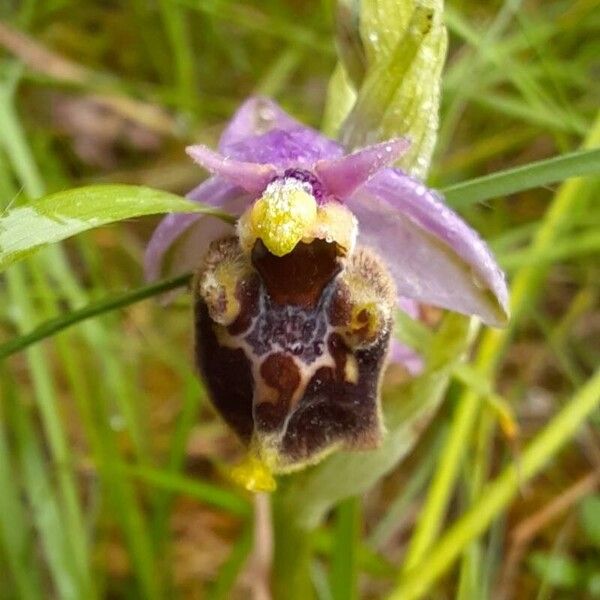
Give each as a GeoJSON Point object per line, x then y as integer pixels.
{"type": "Point", "coordinates": [292, 330]}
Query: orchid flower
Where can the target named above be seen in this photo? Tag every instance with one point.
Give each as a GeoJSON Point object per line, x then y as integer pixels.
{"type": "Point", "coordinates": [294, 305]}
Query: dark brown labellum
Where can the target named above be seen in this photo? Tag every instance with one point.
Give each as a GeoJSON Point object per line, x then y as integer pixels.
{"type": "Point", "coordinates": [292, 348]}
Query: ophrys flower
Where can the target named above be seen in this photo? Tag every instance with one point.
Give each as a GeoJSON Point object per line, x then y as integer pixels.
{"type": "Point", "coordinates": [294, 307]}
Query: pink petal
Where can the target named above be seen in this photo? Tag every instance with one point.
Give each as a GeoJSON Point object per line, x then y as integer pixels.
{"type": "Point", "coordinates": [261, 132]}
{"type": "Point", "coordinates": [251, 177]}
{"type": "Point", "coordinates": [434, 256]}
{"type": "Point", "coordinates": [192, 231]}
{"type": "Point", "coordinates": [342, 176]}
{"type": "Point", "coordinates": [256, 116]}
{"type": "Point", "coordinates": [286, 148]}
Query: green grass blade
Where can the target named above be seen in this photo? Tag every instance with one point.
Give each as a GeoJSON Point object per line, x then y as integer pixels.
{"type": "Point", "coordinates": [178, 33]}
{"type": "Point", "coordinates": [47, 403]}
{"type": "Point", "coordinates": [45, 503]}
{"type": "Point", "coordinates": [16, 537]}
{"type": "Point", "coordinates": [58, 324]}
{"type": "Point", "coordinates": [524, 292]}
{"type": "Point", "coordinates": [221, 589]}
{"type": "Point", "coordinates": [205, 492]}
{"type": "Point", "coordinates": [193, 396]}
{"type": "Point", "coordinates": [249, 17]}
{"type": "Point", "coordinates": [120, 493]}
{"type": "Point", "coordinates": [496, 495]}
{"type": "Point", "coordinates": [544, 172]}
{"type": "Point", "coordinates": [368, 561]}
{"type": "Point", "coordinates": [581, 244]}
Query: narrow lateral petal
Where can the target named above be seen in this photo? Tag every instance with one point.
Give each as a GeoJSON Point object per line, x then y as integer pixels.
{"type": "Point", "coordinates": [196, 230]}
{"type": "Point", "coordinates": [342, 176]}
{"type": "Point", "coordinates": [256, 116]}
{"type": "Point", "coordinates": [435, 257]}
{"type": "Point", "coordinates": [251, 177]}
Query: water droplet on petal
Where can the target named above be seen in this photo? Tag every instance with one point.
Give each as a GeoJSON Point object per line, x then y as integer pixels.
{"type": "Point", "coordinates": [478, 281]}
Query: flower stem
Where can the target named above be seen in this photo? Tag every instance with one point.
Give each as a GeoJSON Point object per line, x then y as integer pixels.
{"type": "Point", "coordinates": [291, 559]}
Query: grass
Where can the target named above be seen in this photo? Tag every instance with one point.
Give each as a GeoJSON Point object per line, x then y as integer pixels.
{"type": "Point", "coordinates": [111, 461]}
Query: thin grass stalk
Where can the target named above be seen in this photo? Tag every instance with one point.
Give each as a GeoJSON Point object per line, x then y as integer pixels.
{"type": "Point", "coordinates": [114, 302]}
{"type": "Point", "coordinates": [16, 536]}
{"type": "Point", "coordinates": [45, 502]}
{"type": "Point", "coordinates": [176, 25]}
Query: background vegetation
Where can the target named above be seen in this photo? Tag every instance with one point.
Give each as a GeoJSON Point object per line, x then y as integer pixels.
{"type": "Point", "coordinates": [111, 460]}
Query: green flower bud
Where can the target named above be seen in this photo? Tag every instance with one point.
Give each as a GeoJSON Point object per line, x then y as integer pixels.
{"type": "Point", "coordinates": [403, 46]}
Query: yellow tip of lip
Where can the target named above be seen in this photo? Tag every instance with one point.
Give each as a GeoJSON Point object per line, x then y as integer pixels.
{"type": "Point", "coordinates": [254, 475]}
{"type": "Point", "coordinates": [283, 216]}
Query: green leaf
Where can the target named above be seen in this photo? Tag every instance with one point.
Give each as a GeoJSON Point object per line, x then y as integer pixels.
{"type": "Point", "coordinates": [58, 216]}
{"type": "Point", "coordinates": [536, 174]}
{"type": "Point", "coordinates": [589, 517]}
{"type": "Point", "coordinates": [377, 35]}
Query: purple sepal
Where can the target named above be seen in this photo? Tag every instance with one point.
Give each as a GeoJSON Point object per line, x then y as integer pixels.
{"type": "Point", "coordinates": [261, 132]}
{"type": "Point", "coordinates": [342, 176]}
{"type": "Point", "coordinates": [256, 116]}
{"type": "Point", "coordinates": [434, 256]}
{"type": "Point", "coordinates": [286, 148]}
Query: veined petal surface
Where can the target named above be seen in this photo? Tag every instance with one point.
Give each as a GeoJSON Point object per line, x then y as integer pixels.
{"type": "Point", "coordinates": [434, 256]}
{"type": "Point", "coordinates": [256, 116]}
{"type": "Point", "coordinates": [286, 147]}
{"type": "Point", "coordinates": [342, 176]}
